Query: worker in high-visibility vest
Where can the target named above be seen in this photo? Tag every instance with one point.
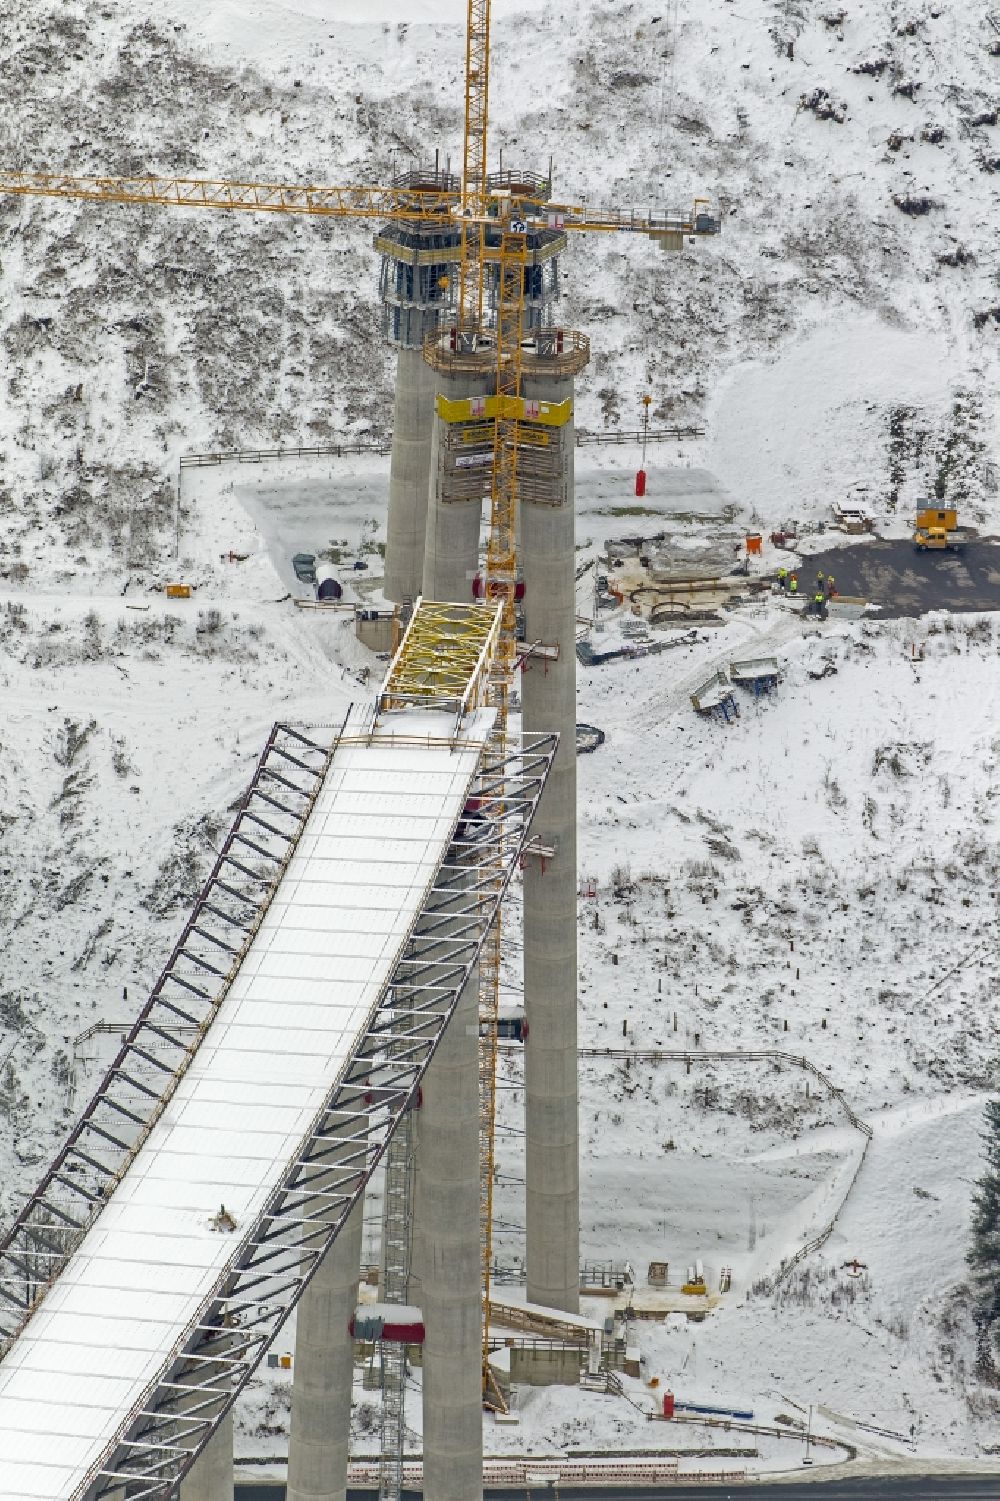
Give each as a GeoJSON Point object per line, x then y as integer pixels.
{"type": "Point", "coordinates": [782, 579]}
{"type": "Point", "coordinates": [830, 586]}
{"type": "Point", "coordinates": [793, 584]}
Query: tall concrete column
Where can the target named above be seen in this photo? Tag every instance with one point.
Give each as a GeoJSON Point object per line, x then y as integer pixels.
{"type": "Point", "coordinates": [319, 1443]}
{"type": "Point", "coordinates": [211, 1476]}
{"type": "Point", "coordinates": [548, 702]}
{"type": "Point", "coordinates": [454, 526]}
{"type": "Point", "coordinates": [446, 1259]}
{"type": "Point", "coordinates": [409, 476]}
{"type": "Point", "coordinates": [417, 285]}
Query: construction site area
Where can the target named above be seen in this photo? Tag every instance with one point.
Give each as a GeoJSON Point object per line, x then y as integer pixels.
{"type": "Point", "coordinates": [500, 985]}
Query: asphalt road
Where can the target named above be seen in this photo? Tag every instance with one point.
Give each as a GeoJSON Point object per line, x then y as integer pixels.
{"type": "Point", "coordinates": [864, 1488]}
{"type": "Point", "coordinates": [906, 582]}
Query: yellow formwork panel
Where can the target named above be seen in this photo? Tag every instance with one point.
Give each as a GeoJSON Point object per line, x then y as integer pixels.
{"type": "Point", "coordinates": [513, 408]}
{"type": "Point", "coordinates": [445, 657]}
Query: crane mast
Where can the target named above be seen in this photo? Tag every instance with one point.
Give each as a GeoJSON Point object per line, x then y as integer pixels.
{"type": "Point", "coordinates": [501, 580]}
{"type": "Point", "coordinates": [474, 164]}
{"type": "Point", "coordinates": [501, 559]}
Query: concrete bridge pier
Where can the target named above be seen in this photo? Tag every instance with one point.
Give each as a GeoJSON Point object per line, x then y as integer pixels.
{"type": "Point", "coordinates": [446, 1259]}
{"type": "Point", "coordinates": [211, 1476]}
{"type": "Point", "coordinates": [548, 702]}
{"type": "Point", "coordinates": [323, 1372]}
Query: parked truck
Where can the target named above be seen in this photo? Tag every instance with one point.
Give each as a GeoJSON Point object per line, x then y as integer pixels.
{"type": "Point", "coordinates": [937, 530]}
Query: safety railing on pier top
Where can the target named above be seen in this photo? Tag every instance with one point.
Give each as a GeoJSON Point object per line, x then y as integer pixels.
{"type": "Point", "coordinates": [213, 1169]}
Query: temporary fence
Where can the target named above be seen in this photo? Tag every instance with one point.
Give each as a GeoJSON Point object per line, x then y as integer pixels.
{"type": "Point", "coordinates": [797, 1060]}
{"type": "Point", "coordinates": [382, 444]}
{"type": "Point", "coordinates": [564, 1473]}
{"type": "Point", "coordinates": [339, 450]}
{"type": "Point", "coordinates": [655, 435]}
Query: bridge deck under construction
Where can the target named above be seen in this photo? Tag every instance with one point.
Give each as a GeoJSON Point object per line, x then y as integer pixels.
{"type": "Point", "coordinates": [151, 1321]}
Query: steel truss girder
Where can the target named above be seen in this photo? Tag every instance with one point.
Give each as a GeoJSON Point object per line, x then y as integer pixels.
{"type": "Point", "coordinates": [282, 1249]}
{"type": "Point", "coordinates": [125, 1105]}
{"type": "Point", "coordinates": [212, 1361]}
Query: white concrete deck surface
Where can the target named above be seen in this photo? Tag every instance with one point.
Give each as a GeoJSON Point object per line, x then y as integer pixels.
{"type": "Point", "coordinates": [318, 965]}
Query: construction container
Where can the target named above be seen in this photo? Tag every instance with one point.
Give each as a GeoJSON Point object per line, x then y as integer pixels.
{"type": "Point", "coordinates": [708, 1409]}
{"type": "Point", "coordinates": [668, 1404]}
{"type": "Point", "coordinates": [396, 1323]}
{"type": "Point", "coordinates": [754, 542]}
{"type": "Point", "coordinates": [178, 591]}
{"type": "Point", "coordinates": [947, 518]}
{"type": "Point", "coordinates": [377, 629]}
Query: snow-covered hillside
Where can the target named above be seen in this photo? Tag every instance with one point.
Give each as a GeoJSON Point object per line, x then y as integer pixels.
{"type": "Point", "coordinates": [831, 863]}
{"type": "Point", "coordinates": [852, 149]}
{"type": "Point", "coordinates": [819, 879]}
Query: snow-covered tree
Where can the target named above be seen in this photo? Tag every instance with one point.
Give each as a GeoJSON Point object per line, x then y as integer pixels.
{"type": "Point", "coordinates": [984, 1252]}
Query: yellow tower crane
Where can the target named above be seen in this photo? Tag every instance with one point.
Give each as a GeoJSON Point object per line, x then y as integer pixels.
{"type": "Point", "coordinates": [475, 207]}
{"type": "Point", "coordinates": [412, 205]}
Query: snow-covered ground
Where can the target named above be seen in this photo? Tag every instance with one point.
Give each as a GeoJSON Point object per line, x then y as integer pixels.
{"type": "Point", "coordinates": [820, 878]}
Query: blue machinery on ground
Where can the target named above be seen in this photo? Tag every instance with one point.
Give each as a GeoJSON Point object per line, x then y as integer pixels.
{"type": "Point", "coordinates": [715, 698]}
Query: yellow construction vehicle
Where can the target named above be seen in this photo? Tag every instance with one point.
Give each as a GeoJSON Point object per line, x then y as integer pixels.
{"type": "Point", "coordinates": [939, 531]}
